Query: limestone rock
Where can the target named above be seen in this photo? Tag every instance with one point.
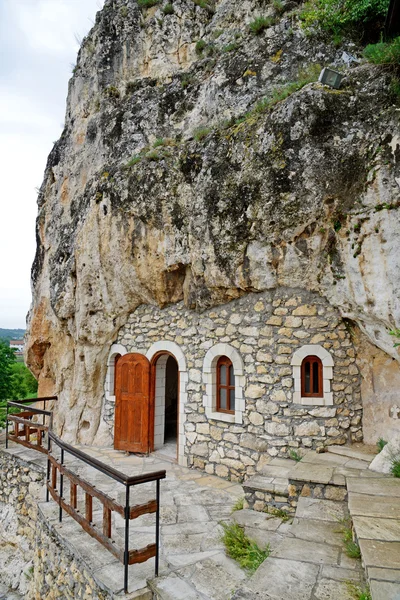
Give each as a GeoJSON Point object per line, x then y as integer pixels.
{"type": "Point", "coordinates": [156, 193]}
{"type": "Point", "coordinates": [382, 463]}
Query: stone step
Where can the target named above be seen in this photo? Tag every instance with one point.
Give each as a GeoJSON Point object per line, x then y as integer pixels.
{"type": "Point", "coordinates": [358, 453]}
{"type": "Point", "coordinates": [267, 484]}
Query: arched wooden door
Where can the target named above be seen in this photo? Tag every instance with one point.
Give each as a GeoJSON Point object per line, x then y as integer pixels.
{"type": "Point", "coordinates": [132, 405]}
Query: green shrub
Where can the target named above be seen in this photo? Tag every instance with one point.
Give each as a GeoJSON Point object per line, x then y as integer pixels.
{"type": "Point", "coordinates": [337, 16]}
{"type": "Point", "coordinates": [395, 468]}
{"type": "Point", "coordinates": [384, 53]}
{"type": "Point", "coordinates": [147, 3]}
{"type": "Point", "coordinates": [242, 549]}
{"type": "Point", "coordinates": [261, 23]}
{"type": "Point", "coordinates": [168, 9]}
{"type": "Point", "coordinates": [381, 443]}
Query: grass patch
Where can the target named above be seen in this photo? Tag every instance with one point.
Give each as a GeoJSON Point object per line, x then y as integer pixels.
{"type": "Point", "coordinates": [147, 3]}
{"type": "Point", "coordinates": [351, 547]}
{"type": "Point", "coordinates": [242, 549]}
{"type": "Point", "coordinates": [134, 160]}
{"type": "Point", "coordinates": [238, 505]}
{"type": "Point", "coordinates": [380, 444]}
{"type": "Point", "coordinates": [261, 23]}
{"type": "Point", "coordinates": [200, 47]}
{"type": "Point", "coordinates": [200, 133]}
{"type": "Point", "coordinates": [294, 455]}
{"type": "Point", "coordinates": [282, 92]}
{"type": "Point", "coordinates": [230, 47]}
{"type": "Point", "coordinates": [395, 468]}
{"type": "Point", "coordinates": [384, 53]}
{"type": "Point", "coordinates": [168, 9]}
{"type": "Point", "coordinates": [278, 512]}
{"type": "Point", "coordinates": [357, 592]}
{"type": "Point", "coordinates": [112, 92]}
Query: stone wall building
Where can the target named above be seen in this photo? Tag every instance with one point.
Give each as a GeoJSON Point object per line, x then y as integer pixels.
{"type": "Point", "coordinates": [268, 339]}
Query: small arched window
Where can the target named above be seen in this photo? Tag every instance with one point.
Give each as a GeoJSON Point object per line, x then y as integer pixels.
{"type": "Point", "coordinates": [311, 377]}
{"type": "Point", "coordinates": [116, 359]}
{"type": "Point", "coordinates": [225, 385]}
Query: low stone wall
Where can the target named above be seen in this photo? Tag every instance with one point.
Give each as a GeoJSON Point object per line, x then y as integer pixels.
{"type": "Point", "coordinates": [21, 488]}
{"type": "Point", "coordinates": [287, 497]}
{"type": "Point", "coordinates": [35, 559]}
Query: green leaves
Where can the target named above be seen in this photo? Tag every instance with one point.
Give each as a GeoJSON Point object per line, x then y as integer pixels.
{"type": "Point", "coordinates": [384, 53]}
{"type": "Point", "coordinates": [336, 16]}
{"type": "Point", "coordinates": [239, 547]}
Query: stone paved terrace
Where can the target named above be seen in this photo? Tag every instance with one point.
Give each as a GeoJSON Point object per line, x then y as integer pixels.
{"type": "Point", "coordinates": [307, 560]}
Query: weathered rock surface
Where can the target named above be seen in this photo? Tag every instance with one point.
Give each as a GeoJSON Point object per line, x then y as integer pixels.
{"type": "Point", "coordinates": [383, 461]}
{"type": "Point", "coordinates": [303, 195]}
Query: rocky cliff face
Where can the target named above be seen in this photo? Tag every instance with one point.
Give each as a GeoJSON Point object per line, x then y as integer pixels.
{"type": "Point", "coordinates": [174, 180]}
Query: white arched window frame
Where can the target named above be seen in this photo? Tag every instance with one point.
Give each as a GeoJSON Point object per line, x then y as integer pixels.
{"type": "Point", "coordinates": [210, 382]}
{"type": "Point", "coordinates": [116, 349]}
{"type": "Point", "coordinates": [327, 375]}
{"type": "Point", "coordinates": [177, 353]}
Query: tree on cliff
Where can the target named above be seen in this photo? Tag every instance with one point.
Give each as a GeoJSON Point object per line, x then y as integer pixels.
{"type": "Point", "coordinates": [7, 359]}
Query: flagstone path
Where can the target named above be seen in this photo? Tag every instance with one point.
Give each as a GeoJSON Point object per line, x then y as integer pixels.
{"type": "Point", "coordinates": [307, 561]}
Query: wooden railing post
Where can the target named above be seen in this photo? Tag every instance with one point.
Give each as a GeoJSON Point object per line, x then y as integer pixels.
{"type": "Point", "coordinates": [89, 508]}
{"type": "Point", "coordinates": [106, 521]}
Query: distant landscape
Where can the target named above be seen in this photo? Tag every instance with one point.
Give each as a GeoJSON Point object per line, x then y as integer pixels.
{"type": "Point", "coordinates": [12, 334]}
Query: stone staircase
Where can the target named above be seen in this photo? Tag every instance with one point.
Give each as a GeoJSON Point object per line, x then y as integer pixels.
{"type": "Point", "coordinates": [320, 489]}
{"type": "Point", "coordinates": [282, 482]}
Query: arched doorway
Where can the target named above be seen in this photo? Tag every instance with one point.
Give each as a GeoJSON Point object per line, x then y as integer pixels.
{"type": "Point", "coordinates": [165, 395]}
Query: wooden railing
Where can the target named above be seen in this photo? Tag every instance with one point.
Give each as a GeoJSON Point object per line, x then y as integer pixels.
{"type": "Point", "coordinates": [60, 477]}
{"type": "Point", "coordinates": [56, 486]}
{"type": "Point", "coordinates": [25, 427]}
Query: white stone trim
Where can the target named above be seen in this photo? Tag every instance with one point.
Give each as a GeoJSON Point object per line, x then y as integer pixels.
{"type": "Point", "coordinates": [327, 375]}
{"type": "Point", "coordinates": [210, 383]}
{"type": "Point", "coordinates": [177, 353]}
{"type": "Point", "coordinates": [109, 382]}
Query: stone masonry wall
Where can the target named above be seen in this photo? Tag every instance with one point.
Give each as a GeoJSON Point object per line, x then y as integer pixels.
{"type": "Point", "coordinates": [35, 560]}
{"type": "Point", "coordinates": [266, 329]}
{"type": "Point", "coordinates": [21, 485]}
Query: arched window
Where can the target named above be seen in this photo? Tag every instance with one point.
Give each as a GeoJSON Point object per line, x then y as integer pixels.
{"type": "Point", "coordinates": [224, 380]}
{"type": "Point", "coordinates": [311, 377]}
{"type": "Point", "coordinates": [225, 386]}
{"type": "Point", "coordinates": [116, 359]}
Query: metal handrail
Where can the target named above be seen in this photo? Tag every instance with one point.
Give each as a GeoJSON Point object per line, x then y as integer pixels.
{"type": "Point", "coordinates": [127, 511]}
{"type": "Point", "coordinates": [53, 466]}
{"type": "Point", "coordinates": [27, 422]}
{"type": "Point", "coordinates": [107, 470]}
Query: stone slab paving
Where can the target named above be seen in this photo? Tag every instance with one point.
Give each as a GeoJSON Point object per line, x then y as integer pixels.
{"type": "Point", "coordinates": [309, 563]}
{"type": "Point", "coordinates": [374, 505]}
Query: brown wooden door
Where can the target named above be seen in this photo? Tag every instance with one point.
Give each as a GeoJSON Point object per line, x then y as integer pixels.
{"type": "Point", "coordinates": [132, 391]}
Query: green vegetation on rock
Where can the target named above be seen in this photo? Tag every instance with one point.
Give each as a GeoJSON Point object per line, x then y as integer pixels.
{"type": "Point", "coordinates": [339, 16]}
{"type": "Point", "coordinates": [261, 23]}
{"type": "Point", "coordinates": [384, 53]}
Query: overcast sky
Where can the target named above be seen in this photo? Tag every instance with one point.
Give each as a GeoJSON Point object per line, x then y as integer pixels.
{"type": "Point", "coordinates": [38, 49]}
